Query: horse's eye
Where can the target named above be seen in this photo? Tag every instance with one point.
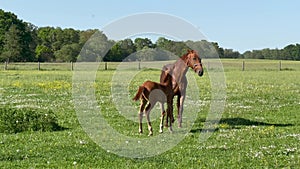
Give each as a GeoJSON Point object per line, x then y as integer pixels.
{"type": "Point", "coordinates": [194, 58]}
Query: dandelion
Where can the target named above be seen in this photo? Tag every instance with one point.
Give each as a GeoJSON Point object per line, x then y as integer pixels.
{"type": "Point", "coordinates": [224, 126]}
{"type": "Point", "coordinates": [17, 84]}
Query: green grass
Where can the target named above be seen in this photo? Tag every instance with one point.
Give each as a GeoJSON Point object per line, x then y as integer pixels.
{"type": "Point", "coordinates": [260, 127]}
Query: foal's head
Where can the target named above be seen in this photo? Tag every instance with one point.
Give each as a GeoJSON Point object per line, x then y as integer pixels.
{"type": "Point", "coordinates": [193, 61]}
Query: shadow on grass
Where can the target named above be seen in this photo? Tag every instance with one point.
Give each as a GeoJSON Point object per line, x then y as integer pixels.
{"type": "Point", "coordinates": [57, 127]}
{"type": "Point", "coordinates": [247, 122]}
{"type": "Point", "coordinates": [235, 123]}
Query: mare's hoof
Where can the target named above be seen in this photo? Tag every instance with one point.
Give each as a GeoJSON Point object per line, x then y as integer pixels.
{"type": "Point", "coordinates": [150, 134]}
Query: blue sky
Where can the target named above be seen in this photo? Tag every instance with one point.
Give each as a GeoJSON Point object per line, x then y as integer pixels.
{"type": "Point", "coordinates": [235, 24]}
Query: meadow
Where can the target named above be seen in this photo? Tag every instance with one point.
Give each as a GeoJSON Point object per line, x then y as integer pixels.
{"type": "Point", "coordinates": [259, 128]}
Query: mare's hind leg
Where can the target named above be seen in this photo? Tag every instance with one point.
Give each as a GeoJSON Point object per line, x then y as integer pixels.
{"type": "Point", "coordinates": [140, 114]}
{"type": "Point", "coordinates": [148, 109]}
{"type": "Point", "coordinates": [163, 113]}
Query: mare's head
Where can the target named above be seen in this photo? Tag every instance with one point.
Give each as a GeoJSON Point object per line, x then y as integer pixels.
{"type": "Point", "coordinates": [193, 61]}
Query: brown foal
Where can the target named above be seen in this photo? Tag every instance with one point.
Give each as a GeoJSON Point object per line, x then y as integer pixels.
{"type": "Point", "coordinates": [152, 92]}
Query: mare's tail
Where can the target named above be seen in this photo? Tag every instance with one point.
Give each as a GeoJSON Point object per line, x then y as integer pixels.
{"type": "Point", "coordinates": [139, 93]}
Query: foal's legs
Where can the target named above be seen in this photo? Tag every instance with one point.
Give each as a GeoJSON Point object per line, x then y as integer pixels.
{"type": "Point", "coordinates": [163, 113]}
{"type": "Point", "coordinates": [148, 109]}
{"type": "Point", "coordinates": [140, 114]}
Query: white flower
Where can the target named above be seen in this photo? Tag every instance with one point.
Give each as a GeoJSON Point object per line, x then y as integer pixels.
{"type": "Point", "coordinates": [291, 149]}
{"type": "Point", "coordinates": [258, 154]}
{"type": "Point", "coordinates": [82, 142]}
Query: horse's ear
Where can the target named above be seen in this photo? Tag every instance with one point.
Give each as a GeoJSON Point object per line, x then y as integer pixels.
{"type": "Point", "coordinates": [190, 51]}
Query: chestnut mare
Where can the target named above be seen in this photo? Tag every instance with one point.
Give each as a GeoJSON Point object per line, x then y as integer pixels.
{"type": "Point", "coordinates": [151, 92]}
{"type": "Point", "coordinates": [178, 79]}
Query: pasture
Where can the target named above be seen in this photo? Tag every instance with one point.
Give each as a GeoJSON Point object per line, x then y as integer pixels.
{"type": "Point", "coordinates": [259, 128]}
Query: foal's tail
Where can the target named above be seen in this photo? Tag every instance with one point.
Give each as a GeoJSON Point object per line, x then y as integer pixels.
{"type": "Point", "coordinates": [139, 93]}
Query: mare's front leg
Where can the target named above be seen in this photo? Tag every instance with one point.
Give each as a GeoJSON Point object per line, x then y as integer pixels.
{"type": "Point", "coordinates": [170, 113]}
{"type": "Point", "coordinates": [180, 101]}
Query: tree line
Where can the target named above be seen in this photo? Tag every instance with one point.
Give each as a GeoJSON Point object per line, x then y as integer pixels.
{"type": "Point", "coordinates": [24, 42]}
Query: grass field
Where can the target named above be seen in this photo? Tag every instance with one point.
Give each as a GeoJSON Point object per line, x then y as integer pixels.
{"type": "Point", "coordinates": [260, 127]}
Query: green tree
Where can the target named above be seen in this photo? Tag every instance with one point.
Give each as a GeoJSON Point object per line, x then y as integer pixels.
{"type": "Point", "coordinates": [12, 49]}
{"type": "Point", "coordinates": [95, 48]}
{"type": "Point", "coordinates": [205, 49]}
{"type": "Point", "coordinates": [276, 54]}
{"type": "Point", "coordinates": [175, 47]}
{"type": "Point", "coordinates": [56, 38]}
{"type": "Point", "coordinates": [140, 43]}
{"type": "Point", "coordinates": [218, 49]}
{"type": "Point", "coordinates": [292, 52]}
{"type": "Point", "coordinates": [152, 54]}
{"type": "Point", "coordinates": [120, 50]}
{"type": "Point", "coordinates": [44, 53]}
{"type": "Point", "coordinates": [7, 19]}
{"type": "Point", "coordinates": [15, 34]}
{"type": "Point", "coordinates": [84, 36]}
{"type": "Point", "coordinates": [247, 55]}
{"type": "Point", "coordinates": [68, 53]}
{"type": "Point", "coordinates": [266, 53]}
{"type": "Point", "coordinates": [70, 36]}
{"type": "Point", "coordinates": [44, 36]}
{"type": "Point", "coordinates": [229, 53]}
{"type": "Point", "coordinates": [31, 41]}
{"type": "Point", "coordinates": [163, 43]}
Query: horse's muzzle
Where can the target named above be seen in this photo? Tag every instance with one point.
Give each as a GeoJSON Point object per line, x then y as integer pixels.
{"type": "Point", "coordinates": [200, 72]}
